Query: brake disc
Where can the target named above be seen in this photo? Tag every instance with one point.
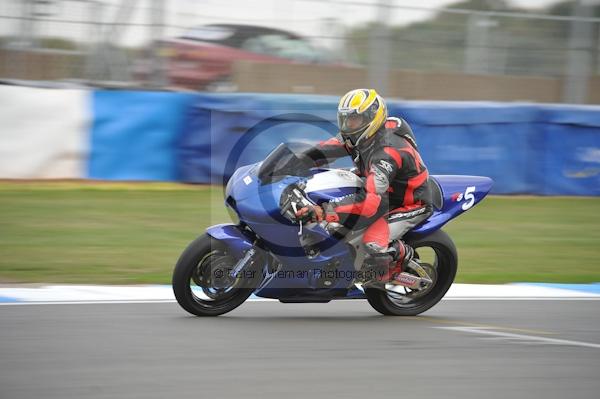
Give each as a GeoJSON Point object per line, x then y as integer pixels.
{"type": "Point", "coordinates": [212, 275]}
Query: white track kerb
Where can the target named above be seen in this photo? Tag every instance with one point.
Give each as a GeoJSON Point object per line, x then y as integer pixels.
{"type": "Point", "coordinates": [83, 294]}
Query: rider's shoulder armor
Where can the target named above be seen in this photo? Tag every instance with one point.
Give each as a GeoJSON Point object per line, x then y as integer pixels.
{"type": "Point", "coordinates": [400, 127]}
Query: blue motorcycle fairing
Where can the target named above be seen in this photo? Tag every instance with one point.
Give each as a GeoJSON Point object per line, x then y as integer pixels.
{"type": "Point", "coordinates": [258, 207]}
{"type": "Point", "coordinates": [261, 202]}
{"type": "Point", "coordinates": [460, 193]}
{"type": "Point", "coordinates": [232, 236]}
{"type": "Point", "coordinates": [298, 275]}
{"type": "Point", "coordinates": [262, 213]}
{"type": "Point", "coordinates": [242, 183]}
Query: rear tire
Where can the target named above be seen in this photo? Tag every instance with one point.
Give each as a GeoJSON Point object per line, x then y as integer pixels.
{"type": "Point", "coordinates": [187, 272]}
{"type": "Point", "coordinates": [446, 265]}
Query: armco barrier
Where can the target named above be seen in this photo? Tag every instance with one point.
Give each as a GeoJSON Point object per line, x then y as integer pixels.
{"type": "Point", "coordinates": [43, 133]}
{"type": "Point", "coordinates": [224, 132]}
{"type": "Point", "coordinates": [129, 135]}
{"type": "Point", "coordinates": [477, 138]}
{"type": "Point", "coordinates": [135, 134]}
{"type": "Point", "coordinates": [570, 150]}
{"type": "Point", "coordinates": [525, 148]}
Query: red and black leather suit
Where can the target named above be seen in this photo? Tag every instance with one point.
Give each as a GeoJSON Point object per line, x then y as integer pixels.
{"type": "Point", "coordinates": [396, 195]}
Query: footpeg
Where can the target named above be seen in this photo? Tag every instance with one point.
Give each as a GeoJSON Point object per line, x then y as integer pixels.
{"type": "Point", "coordinates": [410, 281]}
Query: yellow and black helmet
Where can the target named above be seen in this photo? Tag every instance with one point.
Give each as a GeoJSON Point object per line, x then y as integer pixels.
{"type": "Point", "coordinates": [361, 113]}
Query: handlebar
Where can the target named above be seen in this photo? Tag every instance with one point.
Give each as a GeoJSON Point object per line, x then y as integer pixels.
{"type": "Point", "coordinates": [293, 198]}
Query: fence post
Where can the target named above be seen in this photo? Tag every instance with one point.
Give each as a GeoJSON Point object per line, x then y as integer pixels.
{"type": "Point", "coordinates": [157, 18]}
{"type": "Point", "coordinates": [379, 50]}
{"type": "Point", "coordinates": [579, 58]}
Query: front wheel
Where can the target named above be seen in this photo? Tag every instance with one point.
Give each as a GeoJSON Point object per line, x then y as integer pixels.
{"type": "Point", "coordinates": [201, 280]}
{"type": "Point", "coordinates": [442, 266]}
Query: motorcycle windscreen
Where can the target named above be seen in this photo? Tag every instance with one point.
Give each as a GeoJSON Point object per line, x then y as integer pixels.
{"type": "Point", "coordinates": [283, 161]}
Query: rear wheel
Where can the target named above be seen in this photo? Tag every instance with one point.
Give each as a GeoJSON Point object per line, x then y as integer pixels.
{"type": "Point", "coordinates": [201, 280]}
{"type": "Point", "coordinates": [441, 265]}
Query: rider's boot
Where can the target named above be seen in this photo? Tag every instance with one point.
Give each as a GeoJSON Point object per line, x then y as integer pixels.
{"type": "Point", "coordinates": [376, 267]}
{"type": "Point", "coordinates": [381, 266]}
{"type": "Point", "coordinates": [401, 252]}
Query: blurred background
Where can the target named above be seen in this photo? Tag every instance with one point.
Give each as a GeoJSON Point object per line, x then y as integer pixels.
{"type": "Point", "coordinates": [109, 107]}
{"type": "Point", "coordinates": [117, 121]}
{"type": "Point", "coordinates": [501, 50]}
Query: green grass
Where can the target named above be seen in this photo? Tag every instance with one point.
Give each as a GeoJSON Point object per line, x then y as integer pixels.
{"type": "Point", "coordinates": [545, 239]}
{"type": "Point", "coordinates": [125, 234]}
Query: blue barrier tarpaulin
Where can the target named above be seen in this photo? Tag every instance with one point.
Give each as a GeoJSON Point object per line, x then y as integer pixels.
{"type": "Point", "coordinates": [202, 138]}
{"type": "Point", "coordinates": [135, 134]}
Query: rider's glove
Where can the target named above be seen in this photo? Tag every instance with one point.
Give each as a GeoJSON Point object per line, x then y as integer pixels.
{"type": "Point", "coordinates": [311, 213]}
{"type": "Point", "coordinates": [330, 215]}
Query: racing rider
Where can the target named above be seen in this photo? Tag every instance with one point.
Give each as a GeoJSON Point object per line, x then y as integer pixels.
{"type": "Point", "coordinates": [396, 195]}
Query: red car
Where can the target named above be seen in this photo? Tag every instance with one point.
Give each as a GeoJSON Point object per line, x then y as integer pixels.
{"type": "Point", "coordinates": [202, 58]}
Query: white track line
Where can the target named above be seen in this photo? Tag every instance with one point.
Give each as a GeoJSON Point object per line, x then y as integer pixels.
{"type": "Point", "coordinates": [520, 337]}
{"type": "Point", "coordinates": [86, 294]}
{"type": "Point", "coordinates": [142, 301]}
{"type": "Point", "coordinates": [524, 298]}
{"type": "Point", "coordinates": [111, 302]}
{"type": "Point", "coordinates": [87, 302]}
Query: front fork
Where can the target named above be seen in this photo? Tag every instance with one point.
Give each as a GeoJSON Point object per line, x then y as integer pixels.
{"type": "Point", "coordinates": [251, 264]}
{"type": "Point", "coordinates": [243, 263]}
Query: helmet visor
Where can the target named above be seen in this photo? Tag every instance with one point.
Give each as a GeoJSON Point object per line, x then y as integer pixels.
{"type": "Point", "coordinates": [352, 122]}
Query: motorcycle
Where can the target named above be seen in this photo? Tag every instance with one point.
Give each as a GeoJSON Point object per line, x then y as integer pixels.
{"type": "Point", "coordinates": [271, 254]}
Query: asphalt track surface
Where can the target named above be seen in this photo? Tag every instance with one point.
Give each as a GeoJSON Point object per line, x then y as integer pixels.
{"type": "Point", "coordinates": [459, 349]}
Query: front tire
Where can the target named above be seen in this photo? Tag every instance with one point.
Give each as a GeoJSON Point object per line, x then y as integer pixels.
{"type": "Point", "coordinates": [194, 282]}
{"type": "Point", "coordinates": [445, 264]}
